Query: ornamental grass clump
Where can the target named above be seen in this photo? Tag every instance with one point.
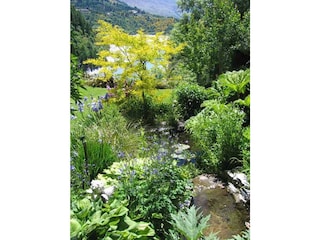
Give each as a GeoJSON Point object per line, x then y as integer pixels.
{"type": "Point", "coordinates": [98, 139]}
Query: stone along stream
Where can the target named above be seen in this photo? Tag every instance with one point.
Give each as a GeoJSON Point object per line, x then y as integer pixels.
{"type": "Point", "coordinates": [227, 203]}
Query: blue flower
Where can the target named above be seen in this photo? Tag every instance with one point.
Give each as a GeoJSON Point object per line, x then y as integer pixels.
{"type": "Point", "coordinates": [94, 107]}
{"type": "Point", "coordinates": [121, 154]}
{"type": "Point", "coordinates": [100, 105]}
{"type": "Point", "coordinates": [73, 117]}
{"type": "Point", "coordinates": [80, 106]}
{"type": "Point", "coordinates": [85, 98]}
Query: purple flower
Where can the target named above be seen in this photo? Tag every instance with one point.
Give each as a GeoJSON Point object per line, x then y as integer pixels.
{"type": "Point", "coordinates": [85, 98]}
{"type": "Point", "coordinates": [94, 107]}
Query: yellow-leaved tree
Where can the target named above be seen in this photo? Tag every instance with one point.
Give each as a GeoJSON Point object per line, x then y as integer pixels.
{"type": "Point", "coordinates": [128, 59]}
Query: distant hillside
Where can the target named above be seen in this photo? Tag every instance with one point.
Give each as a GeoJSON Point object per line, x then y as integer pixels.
{"type": "Point", "coordinates": [167, 8]}
{"type": "Point", "coordinates": [119, 13]}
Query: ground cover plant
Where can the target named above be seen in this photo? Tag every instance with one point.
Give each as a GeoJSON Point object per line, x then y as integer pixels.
{"type": "Point", "coordinates": [93, 219]}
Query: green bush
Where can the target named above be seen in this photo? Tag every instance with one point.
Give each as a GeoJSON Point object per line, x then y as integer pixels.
{"type": "Point", "coordinates": [138, 108]}
{"type": "Point", "coordinates": [219, 133]}
{"type": "Point", "coordinates": [233, 87]}
{"type": "Point", "coordinates": [154, 187]}
{"type": "Point", "coordinates": [147, 110]}
{"type": "Point", "coordinates": [190, 97]}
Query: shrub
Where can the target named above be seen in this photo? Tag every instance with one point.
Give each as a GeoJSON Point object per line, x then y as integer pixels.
{"type": "Point", "coordinates": [147, 109]}
{"type": "Point", "coordinates": [139, 108]}
{"type": "Point", "coordinates": [154, 187]}
{"type": "Point", "coordinates": [219, 133]}
{"type": "Point", "coordinates": [190, 97]}
{"type": "Point", "coordinates": [234, 87]}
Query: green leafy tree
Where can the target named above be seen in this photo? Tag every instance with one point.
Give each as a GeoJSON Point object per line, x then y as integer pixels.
{"type": "Point", "coordinates": [82, 37]}
{"type": "Point", "coordinates": [76, 81]}
{"type": "Point", "coordinates": [215, 36]}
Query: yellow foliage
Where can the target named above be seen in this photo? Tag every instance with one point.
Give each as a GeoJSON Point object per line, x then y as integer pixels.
{"type": "Point", "coordinates": [132, 54]}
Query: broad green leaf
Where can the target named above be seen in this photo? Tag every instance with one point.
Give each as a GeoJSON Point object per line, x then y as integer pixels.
{"type": "Point", "coordinates": [75, 227]}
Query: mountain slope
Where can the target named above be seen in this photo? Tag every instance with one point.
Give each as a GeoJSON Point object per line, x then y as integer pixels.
{"type": "Point", "coordinates": [119, 13]}
{"type": "Point", "coordinates": [166, 8]}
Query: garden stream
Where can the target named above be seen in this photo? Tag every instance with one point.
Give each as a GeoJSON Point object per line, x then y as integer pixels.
{"type": "Point", "coordinates": [229, 215]}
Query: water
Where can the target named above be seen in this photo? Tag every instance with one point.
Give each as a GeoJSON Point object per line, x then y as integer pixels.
{"type": "Point", "coordinates": [228, 218]}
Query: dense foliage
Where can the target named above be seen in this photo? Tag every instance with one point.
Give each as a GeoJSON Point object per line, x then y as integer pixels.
{"type": "Point", "coordinates": [82, 37]}
{"type": "Point", "coordinates": [154, 188]}
{"type": "Point", "coordinates": [221, 128]}
{"type": "Point", "coordinates": [92, 219]}
{"type": "Point", "coordinates": [190, 97]}
{"type": "Point", "coordinates": [76, 79]}
{"type": "Point", "coordinates": [217, 37]}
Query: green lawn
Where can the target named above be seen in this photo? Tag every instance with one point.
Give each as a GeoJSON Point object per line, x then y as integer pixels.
{"type": "Point", "coordinates": [93, 91]}
{"type": "Point", "coordinates": [161, 95]}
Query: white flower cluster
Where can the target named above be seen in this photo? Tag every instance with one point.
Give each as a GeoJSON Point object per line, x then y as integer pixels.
{"type": "Point", "coordinates": [98, 189]}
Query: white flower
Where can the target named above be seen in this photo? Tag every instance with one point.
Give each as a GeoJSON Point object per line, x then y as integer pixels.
{"type": "Point", "coordinates": [105, 196]}
{"type": "Point", "coordinates": [108, 190]}
{"type": "Point", "coordinates": [89, 191]}
{"type": "Point", "coordinates": [97, 184]}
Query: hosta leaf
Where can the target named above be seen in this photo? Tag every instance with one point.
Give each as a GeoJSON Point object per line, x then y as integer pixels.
{"type": "Point", "coordinates": [75, 227]}
{"type": "Point", "coordinates": [96, 217]}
